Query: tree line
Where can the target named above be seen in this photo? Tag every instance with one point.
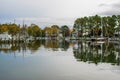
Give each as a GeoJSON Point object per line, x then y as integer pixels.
{"type": "Point", "coordinates": [97, 25]}
{"type": "Point", "coordinates": [34, 30]}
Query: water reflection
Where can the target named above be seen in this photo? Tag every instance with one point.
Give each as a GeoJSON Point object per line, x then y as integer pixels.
{"type": "Point", "coordinates": [98, 52]}
{"type": "Point", "coordinates": [90, 52]}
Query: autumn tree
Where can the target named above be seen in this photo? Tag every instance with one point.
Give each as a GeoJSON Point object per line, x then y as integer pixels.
{"type": "Point", "coordinates": [3, 28]}
{"type": "Point", "coordinates": [48, 31]}
{"type": "Point", "coordinates": [55, 30]}
{"type": "Point", "coordinates": [13, 29]}
{"type": "Point", "coordinates": [34, 30]}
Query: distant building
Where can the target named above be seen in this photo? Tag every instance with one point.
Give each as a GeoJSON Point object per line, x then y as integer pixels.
{"type": "Point", "coordinates": [5, 36]}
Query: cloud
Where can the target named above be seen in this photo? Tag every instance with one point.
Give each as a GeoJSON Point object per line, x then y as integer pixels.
{"type": "Point", "coordinates": [111, 12]}
{"type": "Point", "coordinates": [117, 5]}
{"type": "Point", "coordinates": [111, 9]}
{"type": "Point", "coordinates": [43, 22]}
{"type": "Point", "coordinates": [47, 8]}
{"type": "Point", "coordinates": [48, 12]}
{"type": "Point", "coordinates": [48, 20]}
{"type": "Point", "coordinates": [102, 5]}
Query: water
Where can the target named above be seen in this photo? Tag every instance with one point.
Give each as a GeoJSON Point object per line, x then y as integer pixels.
{"type": "Point", "coordinates": [60, 60]}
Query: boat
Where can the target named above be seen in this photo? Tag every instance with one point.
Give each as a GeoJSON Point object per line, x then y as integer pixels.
{"type": "Point", "coordinates": [98, 38]}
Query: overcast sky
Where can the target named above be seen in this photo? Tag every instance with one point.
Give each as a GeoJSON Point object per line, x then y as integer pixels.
{"type": "Point", "coordinates": [49, 12]}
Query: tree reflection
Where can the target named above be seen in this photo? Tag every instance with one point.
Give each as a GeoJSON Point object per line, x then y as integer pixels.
{"type": "Point", "coordinates": [90, 52]}
{"type": "Point", "coordinates": [53, 44]}
{"type": "Point", "coordinates": [64, 45]}
{"type": "Point", "coordinates": [98, 53]}
{"type": "Point", "coordinates": [34, 45]}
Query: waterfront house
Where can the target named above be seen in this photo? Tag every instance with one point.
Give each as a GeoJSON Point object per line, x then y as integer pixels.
{"type": "Point", "coordinates": [74, 35]}
{"type": "Point", "coordinates": [5, 36]}
{"type": "Point", "coordinates": [20, 36]}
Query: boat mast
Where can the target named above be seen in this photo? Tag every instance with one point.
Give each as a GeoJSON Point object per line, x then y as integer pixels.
{"type": "Point", "coordinates": [101, 28]}
{"type": "Point", "coordinates": [23, 23]}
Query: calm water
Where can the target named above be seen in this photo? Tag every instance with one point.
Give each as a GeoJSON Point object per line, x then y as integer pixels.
{"type": "Point", "coordinates": [60, 60]}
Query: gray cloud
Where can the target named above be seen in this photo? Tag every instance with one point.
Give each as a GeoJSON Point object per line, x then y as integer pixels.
{"type": "Point", "coordinates": [49, 12]}
{"type": "Point", "coordinates": [103, 5]}
{"type": "Point", "coordinates": [111, 12]}
{"type": "Point", "coordinates": [43, 22]}
{"type": "Point", "coordinates": [112, 9]}
{"type": "Point", "coordinates": [117, 5]}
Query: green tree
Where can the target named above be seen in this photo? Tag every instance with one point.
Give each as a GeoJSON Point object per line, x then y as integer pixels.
{"type": "Point", "coordinates": [65, 31]}
{"type": "Point", "coordinates": [111, 25]}
{"type": "Point", "coordinates": [96, 25]}
{"type": "Point", "coordinates": [118, 24]}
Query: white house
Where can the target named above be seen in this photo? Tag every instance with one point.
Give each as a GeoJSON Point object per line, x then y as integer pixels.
{"type": "Point", "coordinates": [5, 36]}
